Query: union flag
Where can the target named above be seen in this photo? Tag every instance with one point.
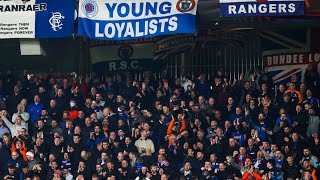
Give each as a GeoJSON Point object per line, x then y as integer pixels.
{"type": "Point", "coordinates": [289, 45]}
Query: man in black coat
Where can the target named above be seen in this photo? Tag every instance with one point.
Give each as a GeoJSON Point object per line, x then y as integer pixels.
{"type": "Point", "coordinates": [75, 149]}
{"type": "Point", "coordinates": [53, 111]}
{"type": "Point", "coordinates": [11, 174]}
{"type": "Point", "coordinates": [291, 169]}
{"type": "Point", "coordinates": [44, 96]}
{"type": "Point", "coordinates": [186, 172]}
{"type": "Point", "coordinates": [13, 100]}
{"type": "Point", "coordinates": [112, 117]}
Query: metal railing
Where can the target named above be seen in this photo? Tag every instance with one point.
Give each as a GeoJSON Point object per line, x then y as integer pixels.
{"type": "Point", "coordinates": [233, 60]}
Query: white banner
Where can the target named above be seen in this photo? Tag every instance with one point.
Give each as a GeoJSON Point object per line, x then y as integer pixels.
{"type": "Point", "coordinates": [131, 19]}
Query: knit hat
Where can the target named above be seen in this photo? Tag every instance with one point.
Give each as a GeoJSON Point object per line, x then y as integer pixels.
{"type": "Point", "coordinates": [31, 154]}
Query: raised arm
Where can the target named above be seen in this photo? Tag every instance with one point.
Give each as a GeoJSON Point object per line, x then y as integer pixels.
{"type": "Point", "coordinates": [7, 122]}
{"type": "Point", "coordinates": [25, 116]}
{"type": "Point", "coordinates": [14, 117]}
{"type": "Point", "coordinates": [169, 130]}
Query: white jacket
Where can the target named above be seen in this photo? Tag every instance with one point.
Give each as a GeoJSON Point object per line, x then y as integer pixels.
{"type": "Point", "coordinates": [14, 128]}
{"type": "Point", "coordinates": [25, 117]}
{"type": "Point", "coordinates": [69, 176]}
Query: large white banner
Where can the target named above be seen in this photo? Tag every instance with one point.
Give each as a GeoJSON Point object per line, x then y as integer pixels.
{"type": "Point", "coordinates": [131, 19]}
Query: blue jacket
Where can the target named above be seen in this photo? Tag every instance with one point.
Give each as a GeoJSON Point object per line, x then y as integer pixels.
{"type": "Point", "coordinates": [3, 130]}
{"type": "Point", "coordinates": [288, 118]}
{"type": "Point", "coordinates": [240, 135]}
{"type": "Point", "coordinates": [35, 111]}
{"type": "Point", "coordinates": [262, 133]}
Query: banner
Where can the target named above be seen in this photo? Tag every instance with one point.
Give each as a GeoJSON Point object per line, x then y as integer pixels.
{"type": "Point", "coordinates": [122, 52]}
{"type": "Point", "coordinates": [238, 8]}
{"type": "Point", "coordinates": [138, 65]}
{"type": "Point", "coordinates": [183, 43]}
{"type": "Point", "coordinates": [36, 18]}
{"type": "Point", "coordinates": [290, 52]}
{"type": "Point", "coordinates": [95, 42]}
{"type": "Point", "coordinates": [125, 57]}
{"type": "Point", "coordinates": [131, 19]}
{"type": "Point", "coordinates": [282, 66]}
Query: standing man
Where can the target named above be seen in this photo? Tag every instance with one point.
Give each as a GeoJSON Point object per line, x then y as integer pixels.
{"type": "Point", "coordinates": [143, 144]}
{"type": "Point", "coordinates": [35, 109]}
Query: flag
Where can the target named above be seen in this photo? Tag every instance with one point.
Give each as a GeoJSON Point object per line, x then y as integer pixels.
{"type": "Point", "coordinates": [36, 18]}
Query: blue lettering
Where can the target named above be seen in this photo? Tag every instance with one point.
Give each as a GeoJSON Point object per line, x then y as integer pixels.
{"type": "Point", "coordinates": [126, 10]}
{"type": "Point", "coordinates": [151, 9]}
{"type": "Point", "coordinates": [134, 9]}
{"type": "Point", "coordinates": [165, 8]}
{"type": "Point", "coordinates": [111, 9]}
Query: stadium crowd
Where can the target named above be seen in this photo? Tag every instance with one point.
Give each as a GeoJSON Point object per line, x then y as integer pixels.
{"type": "Point", "coordinates": [160, 129]}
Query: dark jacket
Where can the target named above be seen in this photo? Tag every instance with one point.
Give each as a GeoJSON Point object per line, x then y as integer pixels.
{"type": "Point", "coordinates": [291, 171]}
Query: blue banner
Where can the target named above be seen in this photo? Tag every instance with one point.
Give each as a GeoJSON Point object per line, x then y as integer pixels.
{"type": "Point", "coordinates": [132, 19]}
{"type": "Point", "coordinates": [36, 18]}
{"type": "Point", "coordinates": [238, 8]}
